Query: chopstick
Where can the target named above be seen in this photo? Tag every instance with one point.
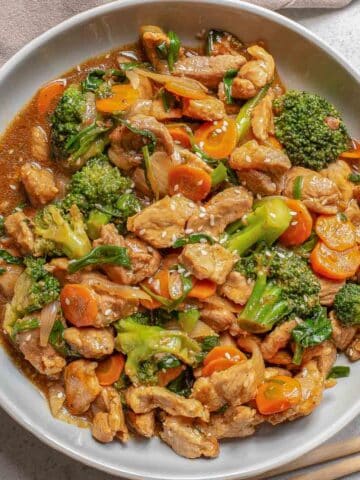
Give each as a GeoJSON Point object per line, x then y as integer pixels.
{"type": "Point", "coordinates": [320, 455]}
{"type": "Point", "coordinates": [333, 471]}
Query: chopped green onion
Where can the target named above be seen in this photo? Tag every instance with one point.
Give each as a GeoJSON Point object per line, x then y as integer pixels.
{"type": "Point", "coordinates": [339, 372]}
{"type": "Point", "coordinates": [173, 50]}
{"type": "Point", "coordinates": [297, 187]}
{"type": "Point", "coordinates": [219, 175]}
{"type": "Point", "coordinates": [243, 120]}
{"type": "Point", "coordinates": [193, 238]}
{"type": "Point", "coordinates": [228, 81]}
{"type": "Point", "coordinates": [144, 133]}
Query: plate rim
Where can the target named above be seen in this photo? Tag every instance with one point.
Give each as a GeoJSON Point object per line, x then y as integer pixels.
{"type": "Point", "coordinates": [23, 418]}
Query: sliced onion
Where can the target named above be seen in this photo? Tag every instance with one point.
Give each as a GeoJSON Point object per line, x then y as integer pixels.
{"type": "Point", "coordinates": [161, 78]}
{"type": "Point", "coordinates": [103, 285]}
{"type": "Point", "coordinates": [47, 320]}
{"type": "Point", "coordinates": [133, 78]}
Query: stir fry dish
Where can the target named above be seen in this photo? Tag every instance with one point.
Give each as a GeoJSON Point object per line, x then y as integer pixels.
{"type": "Point", "coordinates": [180, 243]}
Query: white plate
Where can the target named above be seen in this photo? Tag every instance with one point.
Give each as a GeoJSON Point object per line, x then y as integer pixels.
{"type": "Point", "coordinates": [304, 61]}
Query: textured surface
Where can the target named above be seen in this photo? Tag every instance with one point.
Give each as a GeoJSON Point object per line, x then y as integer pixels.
{"type": "Point", "coordinates": [22, 456]}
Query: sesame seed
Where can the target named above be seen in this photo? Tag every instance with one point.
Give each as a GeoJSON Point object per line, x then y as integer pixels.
{"type": "Point", "coordinates": [267, 160]}
{"type": "Point", "coordinates": [156, 285]}
{"type": "Point", "coordinates": [176, 188]}
{"type": "Point", "coordinates": [142, 231]}
{"type": "Point", "coordinates": [173, 238]}
{"type": "Point", "coordinates": [189, 230]}
{"type": "Point", "coordinates": [13, 187]}
{"type": "Point", "coordinates": [203, 252]}
{"type": "Point", "coordinates": [11, 151]}
{"type": "Point", "coordinates": [201, 144]}
{"type": "Point", "coordinates": [212, 220]}
{"type": "Point", "coordinates": [200, 182]}
{"type": "Point", "coordinates": [272, 215]}
{"type": "Point", "coordinates": [292, 213]}
{"type": "Point", "coordinates": [108, 311]}
{"type": "Point", "coordinates": [227, 355]}
{"type": "Point", "coordinates": [247, 158]}
{"type": "Point", "coordinates": [163, 234]}
{"type": "Point", "coordinates": [218, 130]}
{"type": "Point", "coordinates": [67, 301]}
{"type": "Point", "coordinates": [293, 223]}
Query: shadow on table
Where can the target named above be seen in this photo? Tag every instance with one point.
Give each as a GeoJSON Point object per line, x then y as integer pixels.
{"type": "Point", "coordinates": [24, 457]}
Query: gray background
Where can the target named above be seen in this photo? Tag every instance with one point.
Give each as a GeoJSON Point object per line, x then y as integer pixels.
{"type": "Point", "coordinates": [22, 456]}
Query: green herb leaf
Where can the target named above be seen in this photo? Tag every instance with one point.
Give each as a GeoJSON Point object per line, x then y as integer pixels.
{"type": "Point", "coordinates": [144, 133]}
{"type": "Point", "coordinates": [339, 371]}
{"type": "Point", "coordinates": [110, 254]}
{"type": "Point", "coordinates": [297, 187]}
{"type": "Point", "coordinates": [168, 361]}
{"type": "Point", "coordinates": [8, 258]}
{"type": "Point", "coordinates": [2, 225]}
{"type": "Point", "coordinates": [93, 81]}
{"type": "Point", "coordinates": [78, 144]}
{"type": "Point", "coordinates": [354, 177]}
{"type": "Point", "coordinates": [228, 81]}
{"type": "Point", "coordinates": [311, 332]}
{"type": "Point", "coordinates": [193, 238]}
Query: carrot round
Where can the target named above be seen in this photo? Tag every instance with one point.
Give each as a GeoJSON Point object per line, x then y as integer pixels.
{"type": "Point", "coordinates": [225, 351]}
{"type": "Point", "coordinates": [180, 136]}
{"type": "Point", "coordinates": [48, 93]}
{"type": "Point", "coordinates": [194, 183]}
{"type": "Point", "coordinates": [217, 139]}
{"type": "Point", "coordinates": [185, 89]}
{"type": "Point", "coordinates": [167, 376]}
{"type": "Point", "coordinates": [217, 365]}
{"type": "Point", "coordinates": [336, 232]}
{"type": "Point", "coordinates": [300, 226]}
{"type": "Point", "coordinates": [332, 264]}
{"type": "Point", "coordinates": [278, 394]}
{"type": "Point", "coordinates": [123, 96]}
{"type": "Point", "coordinates": [108, 371]}
{"type": "Point", "coordinates": [78, 305]}
{"type": "Point", "coordinates": [202, 289]}
{"type": "Point", "coordinates": [159, 284]}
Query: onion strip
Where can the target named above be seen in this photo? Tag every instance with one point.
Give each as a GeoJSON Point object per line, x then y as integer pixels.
{"type": "Point", "coordinates": [161, 78]}
{"type": "Point", "coordinates": [47, 319]}
{"type": "Point", "coordinates": [123, 291]}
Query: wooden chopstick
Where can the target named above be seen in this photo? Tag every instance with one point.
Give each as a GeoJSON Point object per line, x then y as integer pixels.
{"type": "Point", "coordinates": [319, 455]}
{"type": "Point", "coordinates": [333, 471]}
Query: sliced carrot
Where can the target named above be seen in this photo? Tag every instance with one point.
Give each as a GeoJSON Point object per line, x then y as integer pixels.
{"type": "Point", "coordinates": [159, 284]}
{"type": "Point", "coordinates": [48, 93]}
{"type": "Point", "coordinates": [108, 371]}
{"type": "Point", "coordinates": [167, 376]}
{"type": "Point", "coordinates": [78, 305]}
{"type": "Point", "coordinates": [194, 183]}
{"type": "Point", "coordinates": [217, 139]}
{"type": "Point", "coordinates": [354, 152]}
{"type": "Point", "coordinates": [278, 394]}
{"type": "Point", "coordinates": [332, 264]}
{"type": "Point", "coordinates": [336, 232]}
{"type": "Point", "coordinates": [123, 96]}
{"type": "Point", "coordinates": [185, 89]}
{"type": "Point", "coordinates": [180, 136]}
{"type": "Point", "coordinates": [300, 226]}
{"type": "Point", "coordinates": [203, 289]}
{"type": "Point", "coordinates": [225, 351]}
{"type": "Point", "coordinates": [217, 366]}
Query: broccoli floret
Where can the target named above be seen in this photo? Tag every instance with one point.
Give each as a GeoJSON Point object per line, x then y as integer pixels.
{"type": "Point", "coordinates": [58, 232]}
{"type": "Point", "coordinates": [270, 218]}
{"type": "Point", "coordinates": [71, 140]}
{"type": "Point", "coordinates": [347, 304]}
{"type": "Point", "coordinates": [141, 342]}
{"type": "Point", "coordinates": [35, 288]}
{"type": "Point", "coordinates": [310, 129]}
{"type": "Point", "coordinates": [287, 270]}
{"type": "Point", "coordinates": [101, 193]}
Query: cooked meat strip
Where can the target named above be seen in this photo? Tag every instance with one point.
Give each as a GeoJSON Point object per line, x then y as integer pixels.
{"type": "Point", "coordinates": [146, 122]}
{"type": "Point", "coordinates": [237, 288]}
{"type": "Point", "coordinates": [277, 339]}
{"type": "Point", "coordinates": [81, 385]}
{"type": "Point", "coordinates": [339, 172]}
{"type": "Point", "coordinates": [144, 259]}
{"type": "Point", "coordinates": [90, 342]}
{"type": "Point", "coordinates": [44, 359]}
{"type": "Point", "coordinates": [324, 354]}
{"type": "Point", "coordinates": [207, 109]}
{"type": "Point", "coordinates": [17, 226]}
{"type": "Point", "coordinates": [186, 439]}
{"type": "Point", "coordinates": [234, 386]}
{"type": "Point", "coordinates": [318, 193]}
{"type": "Point", "coordinates": [342, 336]}
{"type": "Point", "coordinates": [151, 37]}
{"type": "Point", "coordinates": [163, 222]}
{"type": "Point", "coordinates": [208, 70]}
{"type": "Point", "coordinates": [329, 289]}
{"type": "Point", "coordinates": [353, 350]}
{"type": "Point", "coordinates": [144, 399]}
{"type": "Point", "coordinates": [109, 419]}
{"type": "Point", "coordinates": [259, 183]}
{"type": "Point", "coordinates": [158, 111]}
{"type": "Point", "coordinates": [262, 119]}
{"type": "Point", "coordinates": [39, 184]}
{"type": "Point", "coordinates": [8, 279]}
{"type": "Point", "coordinates": [222, 209]}
{"type": "Point", "coordinates": [241, 88]}
{"type": "Point", "coordinates": [123, 151]}
{"type": "Point", "coordinates": [213, 262]}
{"type": "Point", "coordinates": [236, 422]}
{"type": "Point", "coordinates": [142, 423]}
{"type": "Point", "coordinates": [261, 69]}
{"type": "Point", "coordinates": [219, 319]}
